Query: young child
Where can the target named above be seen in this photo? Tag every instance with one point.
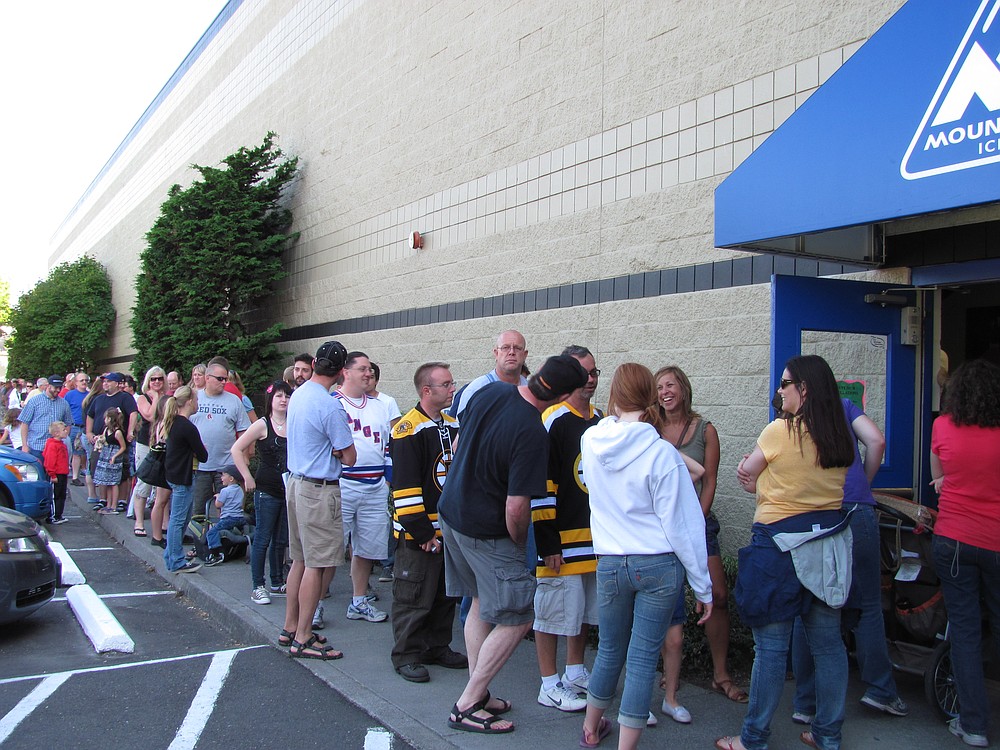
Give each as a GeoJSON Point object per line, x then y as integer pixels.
{"type": "Point", "coordinates": [109, 462]}
{"type": "Point", "coordinates": [55, 458]}
{"type": "Point", "coordinates": [12, 428]}
{"type": "Point", "coordinates": [230, 500]}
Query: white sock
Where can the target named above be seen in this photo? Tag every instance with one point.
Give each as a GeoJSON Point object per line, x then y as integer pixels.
{"type": "Point", "coordinates": [575, 670]}
{"type": "Point", "coordinates": [550, 682]}
{"type": "Point", "coordinates": [359, 600]}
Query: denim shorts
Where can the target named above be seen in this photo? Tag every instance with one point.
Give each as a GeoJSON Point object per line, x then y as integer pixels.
{"type": "Point", "coordinates": [712, 535]}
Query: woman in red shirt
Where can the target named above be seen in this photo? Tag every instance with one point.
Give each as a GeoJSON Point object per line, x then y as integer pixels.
{"type": "Point", "coordinates": [965, 465]}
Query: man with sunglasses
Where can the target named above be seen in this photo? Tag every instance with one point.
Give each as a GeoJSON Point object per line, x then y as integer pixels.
{"type": "Point", "coordinates": [220, 420]}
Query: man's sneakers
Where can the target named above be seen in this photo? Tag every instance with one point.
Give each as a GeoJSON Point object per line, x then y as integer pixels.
{"type": "Point", "coordinates": [562, 698]}
{"type": "Point", "coordinates": [214, 558]}
{"type": "Point", "coordinates": [260, 596]}
{"type": "Point", "coordinates": [970, 739]}
{"type": "Point", "coordinates": [58, 521]}
{"type": "Point", "coordinates": [895, 707]}
{"type": "Point", "coordinates": [801, 717]}
{"type": "Point", "coordinates": [365, 611]}
{"type": "Point", "coordinates": [386, 575]}
{"type": "Point", "coordinates": [276, 590]}
{"type": "Point", "coordinates": [189, 567]}
{"type": "Point", "coordinates": [318, 622]}
{"type": "Point", "coordinates": [447, 658]}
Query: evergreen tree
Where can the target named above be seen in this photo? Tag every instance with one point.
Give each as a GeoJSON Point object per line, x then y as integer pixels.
{"type": "Point", "coordinates": [211, 262]}
{"type": "Point", "coordinates": [63, 322]}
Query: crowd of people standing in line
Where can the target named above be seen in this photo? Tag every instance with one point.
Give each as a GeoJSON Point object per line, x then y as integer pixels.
{"type": "Point", "coordinates": [590, 520]}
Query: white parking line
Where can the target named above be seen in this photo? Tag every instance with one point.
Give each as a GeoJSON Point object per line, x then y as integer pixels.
{"type": "Point", "coordinates": [90, 549]}
{"type": "Point", "coordinates": [204, 702]}
{"type": "Point", "coordinates": [125, 595]}
{"type": "Point", "coordinates": [29, 703]}
{"type": "Point", "coordinates": [110, 667]}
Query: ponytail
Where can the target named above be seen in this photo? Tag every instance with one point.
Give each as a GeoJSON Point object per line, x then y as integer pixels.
{"type": "Point", "coordinates": [181, 396]}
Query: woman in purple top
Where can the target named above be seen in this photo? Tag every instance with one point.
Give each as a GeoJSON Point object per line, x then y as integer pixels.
{"type": "Point", "coordinates": [869, 631]}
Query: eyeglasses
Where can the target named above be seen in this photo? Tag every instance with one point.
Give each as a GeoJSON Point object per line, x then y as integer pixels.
{"type": "Point", "coordinates": [361, 369]}
{"type": "Point", "coordinates": [507, 348]}
{"type": "Point", "coordinates": [785, 382]}
{"type": "Point", "coordinates": [595, 373]}
{"type": "Point", "coordinates": [447, 384]}
{"type": "Point", "coordinates": [220, 378]}
{"type": "Point", "coordinates": [156, 378]}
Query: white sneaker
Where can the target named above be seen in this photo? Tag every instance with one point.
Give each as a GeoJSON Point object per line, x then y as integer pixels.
{"type": "Point", "coordinates": [260, 596]}
{"type": "Point", "coordinates": [562, 698]}
{"type": "Point", "coordinates": [365, 611]}
{"type": "Point", "coordinates": [679, 714]}
{"type": "Point", "coordinates": [970, 739]}
{"type": "Point", "coordinates": [800, 717]}
{"type": "Point", "coordinates": [318, 622]}
{"type": "Point", "coordinates": [651, 720]}
{"type": "Point", "coordinates": [580, 684]}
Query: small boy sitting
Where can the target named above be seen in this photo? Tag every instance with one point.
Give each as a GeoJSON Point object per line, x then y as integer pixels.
{"type": "Point", "coordinates": [230, 501]}
{"type": "Point", "coordinates": [55, 458]}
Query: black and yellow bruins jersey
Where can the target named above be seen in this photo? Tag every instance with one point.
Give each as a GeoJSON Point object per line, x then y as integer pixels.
{"type": "Point", "coordinates": [421, 451]}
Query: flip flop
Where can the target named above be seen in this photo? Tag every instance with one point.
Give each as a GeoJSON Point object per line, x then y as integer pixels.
{"type": "Point", "coordinates": [726, 743]}
{"type": "Point", "coordinates": [807, 739]}
{"type": "Point", "coordinates": [139, 531]}
{"type": "Point", "coordinates": [728, 689]}
{"type": "Point", "coordinates": [603, 730]}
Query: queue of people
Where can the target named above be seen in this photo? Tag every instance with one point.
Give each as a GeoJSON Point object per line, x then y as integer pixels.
{"type": "Point", "coordinates": [520, 498]}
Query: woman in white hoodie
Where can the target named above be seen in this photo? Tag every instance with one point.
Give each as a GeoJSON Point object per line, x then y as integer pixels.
{"type": "Point", "coordinates": [648, 531]}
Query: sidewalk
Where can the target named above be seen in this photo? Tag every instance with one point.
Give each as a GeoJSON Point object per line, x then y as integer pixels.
{"type": "Point", "coordinates": [419, 712]}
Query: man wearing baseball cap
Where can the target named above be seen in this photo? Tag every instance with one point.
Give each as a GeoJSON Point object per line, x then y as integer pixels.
{"type": "Point", "coordinates": [500, 464]}
{"type": "Point", "coordinates": [320, 443]}
{"type": "Point", "coordinates": [39, 413]}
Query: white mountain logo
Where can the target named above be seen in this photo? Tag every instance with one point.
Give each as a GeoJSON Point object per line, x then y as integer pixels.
{"type": "Point", "coordinates": [961, 127]}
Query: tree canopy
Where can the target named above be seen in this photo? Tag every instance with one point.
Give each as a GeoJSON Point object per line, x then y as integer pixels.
{"type": "Point", "coordinates": [63, 321]}
{"type": "Point", "coordinates": [211, 262]}
{"type": "Point", "coordinates": [4, 302]}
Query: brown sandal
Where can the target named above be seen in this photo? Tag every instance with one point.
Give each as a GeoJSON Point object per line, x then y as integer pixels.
{"type": "Point", "coordinates": [728, 689]}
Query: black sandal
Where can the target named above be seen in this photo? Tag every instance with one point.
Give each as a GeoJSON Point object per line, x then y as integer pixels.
{"type": "Point", "coordinates": [505, 708]}
{"type": "Point", "coordinates": [458, 718]}
{"type": "Point", "coordinates": [285, 638]}
{"type": "Point", "coordinates": [298, 650]}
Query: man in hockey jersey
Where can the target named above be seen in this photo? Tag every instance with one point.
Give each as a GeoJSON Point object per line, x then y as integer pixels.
{"type": "Point", "coordinates": [364, 491]}
{"type": "Point", "coordinates": [566, 595]}
{"type": "Point", "coordinates": [421, 449]}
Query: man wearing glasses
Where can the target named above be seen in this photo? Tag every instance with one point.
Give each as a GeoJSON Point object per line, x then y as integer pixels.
{"type": "Point", "coordinates": [421, 449]}
{"type": "Point", "coordinates": [220, 419]}
{"type": "Point", "coordinates": [510, 352]}
{"type": "Point", "coordinates": [74, 398]}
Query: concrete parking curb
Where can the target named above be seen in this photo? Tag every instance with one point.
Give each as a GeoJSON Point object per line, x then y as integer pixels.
{"type": "Point", "coordinates": [101, 627]}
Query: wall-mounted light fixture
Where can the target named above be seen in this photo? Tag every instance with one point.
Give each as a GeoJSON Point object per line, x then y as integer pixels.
{"type": "Point", "coordinates": [416, 241]}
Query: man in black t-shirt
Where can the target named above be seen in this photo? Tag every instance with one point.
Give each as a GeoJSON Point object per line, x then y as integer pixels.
{"type": "Point", "coordinates": [500, 464]}
{"type": "Point", "coordinates": [113, 396]}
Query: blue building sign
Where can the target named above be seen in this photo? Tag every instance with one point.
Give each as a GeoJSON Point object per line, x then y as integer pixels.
{"type": "Point", "coordinates": [910, 124]}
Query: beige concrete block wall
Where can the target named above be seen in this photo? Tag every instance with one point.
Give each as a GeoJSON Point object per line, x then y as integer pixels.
{"type": "Point", "coordinates": [533, 144]}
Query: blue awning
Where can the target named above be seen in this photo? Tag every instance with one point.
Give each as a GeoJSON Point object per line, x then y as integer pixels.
{"type": "Point", "coordinates": [909, 125]}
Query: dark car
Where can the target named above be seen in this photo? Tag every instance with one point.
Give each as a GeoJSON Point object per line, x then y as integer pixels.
{"type": "Point", "coordinates": [29, 570]}
{"type": "Point", "coordinates": [24, 486]}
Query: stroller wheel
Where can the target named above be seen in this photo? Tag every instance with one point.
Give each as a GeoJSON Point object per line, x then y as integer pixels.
{"type": "Point", "coordinates": [939, 682]}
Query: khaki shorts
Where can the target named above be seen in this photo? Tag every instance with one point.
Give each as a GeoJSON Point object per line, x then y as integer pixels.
{"type": "Point", "coordinates": [493, 571]}
{"type": "Point", "coordinates": [564, 603]}
{"type": "Point", "coordinates": [315, 524]}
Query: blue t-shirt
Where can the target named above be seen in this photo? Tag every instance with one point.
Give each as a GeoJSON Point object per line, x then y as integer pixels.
{"type": "Point", "coordinates": [231, 498]}
{"type": "Point", "coordinates": [503, 449]}
{"type": "Point", "coordinates": [856, 486]}
{"type": "Point", "coordinates": [317, 426]}
{"type": "Point", "coordinates": [75, 400]}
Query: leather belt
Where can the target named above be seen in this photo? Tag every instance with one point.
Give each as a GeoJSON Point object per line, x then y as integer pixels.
{"type": "Point", "coordinates": [313, 480]}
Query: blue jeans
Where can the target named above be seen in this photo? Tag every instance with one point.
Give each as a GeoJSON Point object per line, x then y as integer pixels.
{"type": "Point", "coordinates": [180, 515]}
{"type": "Point", "coordinates": [872, 654]}
{"type": "Point", "coordinates": [213, 537]}
{"type": "Point", "coordinates": [270, 539]}
{"type": "Point", "coordinates": [966, 573]}
{"type": "Point", "coordinates": [822, 629]}
{"type": "Point", "coordinates": [636, 595]}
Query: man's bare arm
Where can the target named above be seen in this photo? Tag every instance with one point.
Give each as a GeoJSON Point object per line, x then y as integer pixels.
{"type": "Point", "coordinates": [518, 515]}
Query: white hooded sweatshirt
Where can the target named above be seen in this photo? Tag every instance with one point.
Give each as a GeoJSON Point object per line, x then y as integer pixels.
{"type": "Point", "coordinates": [642, 499]}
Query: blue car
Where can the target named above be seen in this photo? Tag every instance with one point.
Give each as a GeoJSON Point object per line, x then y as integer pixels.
{"type": "Point", "coordinates": [24, 486]}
